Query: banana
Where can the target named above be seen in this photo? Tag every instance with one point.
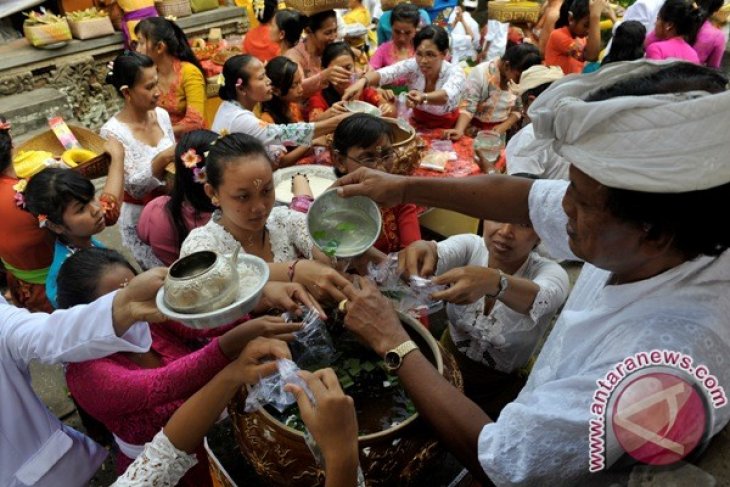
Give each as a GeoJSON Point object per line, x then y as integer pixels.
{"type": "Point", "coordinates": [74, 157]}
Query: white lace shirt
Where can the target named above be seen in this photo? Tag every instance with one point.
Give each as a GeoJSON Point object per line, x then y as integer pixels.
{"type": "Point", "coordinates": [503, 339]}
{"type": "Point", "coordinates": [541, 438]}
{"type": "Point", "coordinates": [288, 235]}
{"type": "Point", "coordinates": [160, 465]}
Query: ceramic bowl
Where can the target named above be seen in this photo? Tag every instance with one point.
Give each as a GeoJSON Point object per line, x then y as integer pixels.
{"type": "Point", "coordinates": [343, 227]}
{"type": "Point", "coordinates": [249, 269]}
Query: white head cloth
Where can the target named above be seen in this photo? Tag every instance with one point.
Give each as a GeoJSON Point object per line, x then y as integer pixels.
{"type": "Point", "coordinates": [658, 144]}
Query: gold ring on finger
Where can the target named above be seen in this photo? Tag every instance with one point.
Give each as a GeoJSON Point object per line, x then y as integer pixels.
{"type": "Point", "coordinates": [343, 306]}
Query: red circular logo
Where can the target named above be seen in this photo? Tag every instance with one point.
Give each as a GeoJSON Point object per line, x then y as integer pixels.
{"type": "Point", "coordinates": [659, 418]}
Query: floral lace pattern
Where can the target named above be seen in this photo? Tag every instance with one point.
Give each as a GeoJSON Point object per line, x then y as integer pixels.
{"type": "Point", "coordinates": [502, 339]}
{"type": "Point", "coordinates": [159, 465]}
{"type": "Point", "coordinates": [233, 118]}
{"type": "Point", "coordinates": [138, 180]}
{"type": "Point", "coordinates": [451, 79]}
{"type": "Point", "coordinates": [288, 235]}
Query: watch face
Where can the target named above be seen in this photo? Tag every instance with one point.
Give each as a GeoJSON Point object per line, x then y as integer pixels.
{"type": "Point", "coordinates": [392, 360]}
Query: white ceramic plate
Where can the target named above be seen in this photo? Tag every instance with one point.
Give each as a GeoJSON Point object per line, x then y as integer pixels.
{"type": "Point", "coordinates": [228, 314]}
{"type": "Point", "coordinates": [320, 178]}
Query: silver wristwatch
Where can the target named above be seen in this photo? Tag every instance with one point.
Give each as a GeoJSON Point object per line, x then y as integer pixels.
{"type": "Point", "coordinates": [503, 285]}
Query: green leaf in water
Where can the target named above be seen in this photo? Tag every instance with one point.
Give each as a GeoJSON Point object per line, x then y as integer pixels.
{"type": "Point", "coordinates": [319, 235]}
{"type": "Point", "coordinates": [346, 227]}
{"type": "Point", "coordinates": [330, 248]}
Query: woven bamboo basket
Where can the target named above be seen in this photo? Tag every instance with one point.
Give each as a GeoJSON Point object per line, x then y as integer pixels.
{"type": "Point", "coordinates": [95, 168]}
{"type": "Point", "coordinates": [390, 4]}
{"type": "Point", "coordinates": [513, 11]}
{"type": "Point", "coordinates": [175, 8]}
{"type": "Point", "coordinates": [310, 7]}
{"type": "Point", "coordinates": [45, 34]}
{"type": "Point", "coordinates": [91, 28]}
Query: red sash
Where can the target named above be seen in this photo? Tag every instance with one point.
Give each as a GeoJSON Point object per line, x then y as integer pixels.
{"type": "Point", "coordinates": [428, 120]}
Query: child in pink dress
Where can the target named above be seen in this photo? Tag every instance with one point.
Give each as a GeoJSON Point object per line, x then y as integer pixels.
{"type": "Point", "coordinates": [675, 31]}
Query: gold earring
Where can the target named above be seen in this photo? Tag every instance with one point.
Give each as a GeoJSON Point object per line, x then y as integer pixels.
{"type": "Point", "coordinates": [215, 201]}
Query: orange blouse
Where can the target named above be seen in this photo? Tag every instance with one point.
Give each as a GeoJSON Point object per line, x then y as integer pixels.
{"type": "Point", "coordinates": [185, 98]}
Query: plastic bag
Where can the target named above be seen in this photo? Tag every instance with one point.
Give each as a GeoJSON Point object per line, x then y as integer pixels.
{"type": "Point", "coordinates": [404, 112]}
{"type": "Point", "coordinates": [312, 347]}
{"type": "Point", "coordinates": [414, 297]}
{"type": "Point", "coordinates": [270, 390]}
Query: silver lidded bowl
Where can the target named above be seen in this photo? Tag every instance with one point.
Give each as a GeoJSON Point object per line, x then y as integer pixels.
{"type": "Point", "coordinates": [200, 282]}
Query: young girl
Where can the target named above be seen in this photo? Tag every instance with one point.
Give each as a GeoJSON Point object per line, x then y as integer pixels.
{"type": "Point", "coordinates": [258, 41]}
{"type": "Point", "coordinates": [134, 394]}
{"type": "Point", "coordinates": [180, 76]}
{"type": "Point", "coordinates": [710, 42]}
{"type": "Point", "coordinates": [489, 104]}
{"type": "Point", "coordinates": [325, 103]}
{"type": "Point", "coordinates": [366, 141]}
{"type": "Point", "coordinates": [283, 107]}
{"type": "Point", "coordinates": [64, 203]}
{"type": "Point", "coordinates": [567, 46]}
{"type": "Point", "coordinates": [240, 185]}
{"type": "Point", "coordinates": [166, 220]}
{"type": "Point", "coordinates": [286, 29]}
{"type": "Point", "coordinates": [627, 43]}
{"type": "Point", "coordinates": [497, 320]}
{"type": "Point", "coordinates": [321, 30]}
{"type": "Point", "coordinates": [26, 249]}
{"type": "Point", "coordinates": [245, 86]}
{"type": "Point", "coordinates": [142, 135]}
{"type": "Point", "coordinates": [675, 31]}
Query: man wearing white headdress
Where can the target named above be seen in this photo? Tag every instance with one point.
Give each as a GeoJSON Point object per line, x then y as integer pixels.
{"type": "Point", "coordinates": [647, 172]}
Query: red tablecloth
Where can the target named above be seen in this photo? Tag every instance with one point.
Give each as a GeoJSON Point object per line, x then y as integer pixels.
{"type": "Point", "coordinates": [464, 165]}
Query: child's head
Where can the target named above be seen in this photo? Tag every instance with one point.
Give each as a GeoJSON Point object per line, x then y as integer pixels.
{"type": "Point", "coordinates": [287, 26]}
{"type": "Point", "coordinates": [627, 43]}
{"type": "Point", "coordinates": [245, 79]}
{"type": "Point", "coordinates": [576, 16]}
{"type": "Point", "coordinates": [286, 79]}
{"type": "Point", "coordinates": [240, 181]}
{"type": "Point", "coordinates": [709, 7]}
{"type": "Point", "coordinates": [363, 140]}
{"type": "Point", "coordinates": [6, 144]}
{"type": "Point", "coordinates": [265, 15]}
{"type": "Point", "coordinates": [322, 29]}
{"type": "Point", "coordinates": [134, 76]}
{"type": "Point", "coordinates": [189, 184]}
{"type": "Point", "coordinates": [158, 37]}
{"type": "Point", "coordinates": [91, 273]}
{"type": "Point", "coordinates": [286, 84]}
{"type": "Point", "coordinates": [404, 23]}
{"type": "Point", "coordinates": [679, 18]}
{"type": "Point", "coordinates": [339, 54]}
{"type": "Point", "coordinates": [67, 200]}
{"type": "Point", "coordinates": [518, 58]}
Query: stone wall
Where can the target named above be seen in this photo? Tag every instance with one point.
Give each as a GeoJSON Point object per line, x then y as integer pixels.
{"type": "Point", "coordinates": [80, 76]}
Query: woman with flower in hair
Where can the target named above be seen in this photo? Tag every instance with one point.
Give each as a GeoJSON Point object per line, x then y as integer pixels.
{"type": "Point", "coordinates": [166, 220]}
{"type": "Point", "coordinates": [26, 249]}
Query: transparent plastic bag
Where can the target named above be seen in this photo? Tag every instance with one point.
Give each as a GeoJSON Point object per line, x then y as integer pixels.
{"type": "Point", "coordinates": [414, 297]}
{"type": "Point", "coordinates": [270, 390]}
{"type": "Point", "coordinates": [312, 347]}
{"type": "Point", "coordinates": [404, 112]}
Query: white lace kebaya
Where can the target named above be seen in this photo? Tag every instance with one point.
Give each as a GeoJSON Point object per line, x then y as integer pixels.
{"type": "Point", "coordinates": [159, 465]}
{"type": "Point", "coordinates": [288, 236]}
{"type": "Point", "coordinates": [502, 339]}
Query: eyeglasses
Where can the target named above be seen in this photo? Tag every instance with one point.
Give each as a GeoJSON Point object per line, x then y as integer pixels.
{"type": "Point", "coordinates": [383, 162]}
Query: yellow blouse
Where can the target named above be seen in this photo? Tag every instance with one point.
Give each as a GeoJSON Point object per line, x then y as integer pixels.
{"type": "Point", "coordinates": [185, 98]}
